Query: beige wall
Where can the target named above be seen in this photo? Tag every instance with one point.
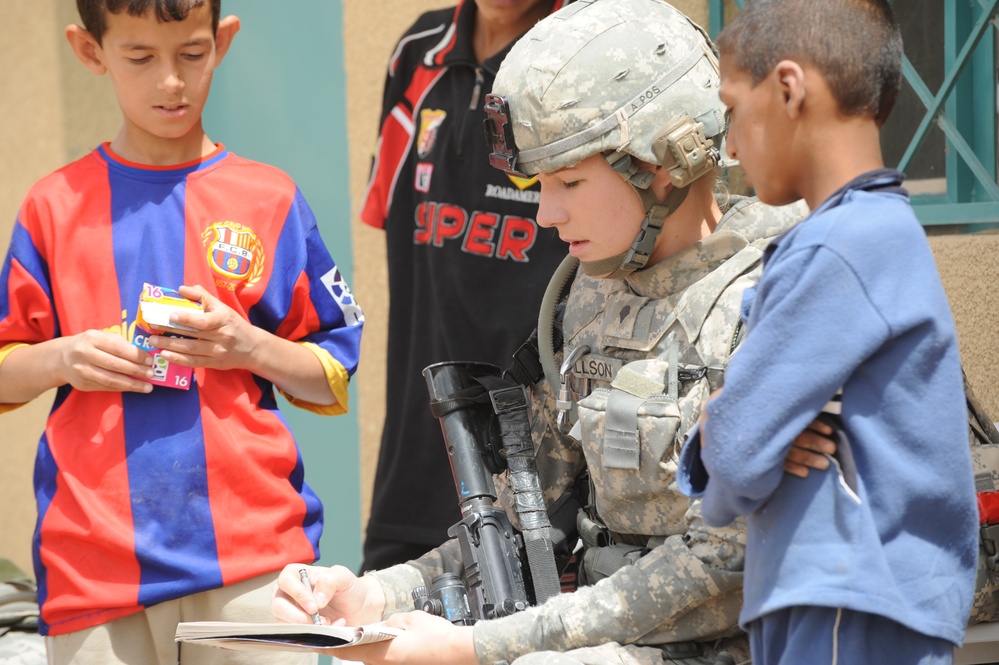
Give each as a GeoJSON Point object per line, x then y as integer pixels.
{"type": "Point", "coordinates": [969, 267]}
{"type": "Point", "coordinates": [54, 111]}
{"type": "Point", "coordinates": [366, 57]}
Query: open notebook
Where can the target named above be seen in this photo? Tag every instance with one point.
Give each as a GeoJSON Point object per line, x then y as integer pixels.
{"type": "Point", "coordinates": [280, 636]}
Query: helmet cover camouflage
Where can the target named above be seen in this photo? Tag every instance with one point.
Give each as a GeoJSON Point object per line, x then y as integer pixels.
{"type": "Point", "coordinates": [607, 75]}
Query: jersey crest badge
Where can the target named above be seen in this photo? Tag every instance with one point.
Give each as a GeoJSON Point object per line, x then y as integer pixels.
{"type": "Point", "coordinates": [430, 121]}
{"type": "Point", "coordinates": [234, 252]}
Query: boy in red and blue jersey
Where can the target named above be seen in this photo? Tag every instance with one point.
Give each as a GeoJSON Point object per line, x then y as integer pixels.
{"type": "Point", "coordinates": [157, 504]}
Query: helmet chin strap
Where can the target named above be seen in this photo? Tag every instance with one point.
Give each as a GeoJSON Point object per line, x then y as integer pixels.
{"type": "Point", "coordinates": [635, 258]}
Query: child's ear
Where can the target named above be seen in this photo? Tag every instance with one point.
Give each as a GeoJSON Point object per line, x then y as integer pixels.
{"type": "Point", "coordinates": [791, 79]}
{"type": "Point", "coordinates": [86, 48]}
{"type": "Point", "coordinates": [228, 27]}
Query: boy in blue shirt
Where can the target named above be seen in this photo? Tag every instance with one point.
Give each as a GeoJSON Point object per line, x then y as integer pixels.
{"type": "Point", "coordinates": [872, 560]}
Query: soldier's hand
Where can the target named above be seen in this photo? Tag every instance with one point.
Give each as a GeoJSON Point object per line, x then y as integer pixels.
{"type": "Point", "coordinates": [337, 595]}
{"type": "Point", "coordinates": [810, 450]}
{"type": "Point", "coordinates": [426, 640]}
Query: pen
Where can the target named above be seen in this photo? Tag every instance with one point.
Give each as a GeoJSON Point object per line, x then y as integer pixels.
{"type": "Point", "coordinates": [304, 574]}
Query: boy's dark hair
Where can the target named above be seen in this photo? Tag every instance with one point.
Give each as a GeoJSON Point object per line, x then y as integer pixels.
{"type": "Point", "coordinates": [93, 12]}
{"type": "Point", "coordinates": [855, 44]}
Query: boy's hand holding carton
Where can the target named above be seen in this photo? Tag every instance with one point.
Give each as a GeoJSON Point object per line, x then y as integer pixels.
{"type": "Point", "coordinates": [156, 304]}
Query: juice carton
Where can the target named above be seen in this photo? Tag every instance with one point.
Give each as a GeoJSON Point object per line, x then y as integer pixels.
{"type": "Point", "coordinates": [157, 303]}
{"type": "Point", "coordinates": [155, 306]}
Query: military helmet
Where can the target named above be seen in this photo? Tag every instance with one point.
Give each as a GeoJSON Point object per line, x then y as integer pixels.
{"type": "Point", "coordinates": [600, 76]}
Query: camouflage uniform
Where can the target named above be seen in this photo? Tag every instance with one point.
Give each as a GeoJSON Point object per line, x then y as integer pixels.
{"type": "Point", "coordinates": [636, 82]}
{"type": "Point", "coordinates": [688, 586]}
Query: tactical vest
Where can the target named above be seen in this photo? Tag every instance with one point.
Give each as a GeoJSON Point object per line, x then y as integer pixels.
{"type": "Point", "coordinates": [985, 461]}
{"type": "Point", "coordinates": [650, 350]}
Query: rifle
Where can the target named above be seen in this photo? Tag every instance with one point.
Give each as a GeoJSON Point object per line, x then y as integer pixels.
{"type": "Point", "coordinates": [492, 584]}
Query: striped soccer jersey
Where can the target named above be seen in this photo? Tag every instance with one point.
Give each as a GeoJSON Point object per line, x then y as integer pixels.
{"type": "Point", "coordinates": [144, 498]}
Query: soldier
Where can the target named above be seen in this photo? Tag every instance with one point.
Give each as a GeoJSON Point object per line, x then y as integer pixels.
{"type": "Point", "coordinates": [614, 106]}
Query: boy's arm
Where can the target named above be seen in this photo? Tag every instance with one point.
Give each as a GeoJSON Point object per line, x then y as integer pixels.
{"type": "Point", "coordinates": [812, 325]}
{"type": "Point", "coordinates": [93, 360]}
{"type": "Point", "coordinates": [225, 340]}
{"type": "Point", "coordinates": [303, 335]}
{"type": "Point", "coordinates": [34, 354]}
{"type": "Point", "coordinates": [810, 450]}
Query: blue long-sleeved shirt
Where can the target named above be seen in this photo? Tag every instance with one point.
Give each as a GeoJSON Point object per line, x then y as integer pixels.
{"type": "Point", "coordinates": [849, 298]}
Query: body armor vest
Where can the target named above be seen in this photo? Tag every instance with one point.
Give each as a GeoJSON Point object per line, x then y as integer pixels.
{"type": "Point", "coordinates": [656, 344]}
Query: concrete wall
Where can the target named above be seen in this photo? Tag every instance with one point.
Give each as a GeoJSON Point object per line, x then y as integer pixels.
{"type": "Point", "coordinates": [969, 267]}
{"type": "Point", "coordinates": [54, 111]}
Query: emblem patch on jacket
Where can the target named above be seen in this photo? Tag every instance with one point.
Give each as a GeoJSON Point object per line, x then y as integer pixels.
{"type": "Point", "coordinates": [430, 122]}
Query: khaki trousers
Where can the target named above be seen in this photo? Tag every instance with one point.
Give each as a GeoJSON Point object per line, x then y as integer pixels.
{"type": "Point", "coordinates": [146, 638]}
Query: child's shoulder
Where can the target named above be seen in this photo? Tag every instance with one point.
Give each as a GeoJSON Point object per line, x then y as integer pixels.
{"type": "Point", "coordinates": [865, 228]}
{"type": "Point", "coordinates": [235, 177]}
{"type": "Point", "coordinates": [427, 31]}
{"type": "Point", "coordinates": [874, 214]}
{"type": "Point", "coordinates": [432, 18]}
{"type": "Point", "coordinates": [429, 25]}
{"type": "Point", "coordinates": [77, 176]}
{"type": "Point", "coordinates": [253, 170]}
